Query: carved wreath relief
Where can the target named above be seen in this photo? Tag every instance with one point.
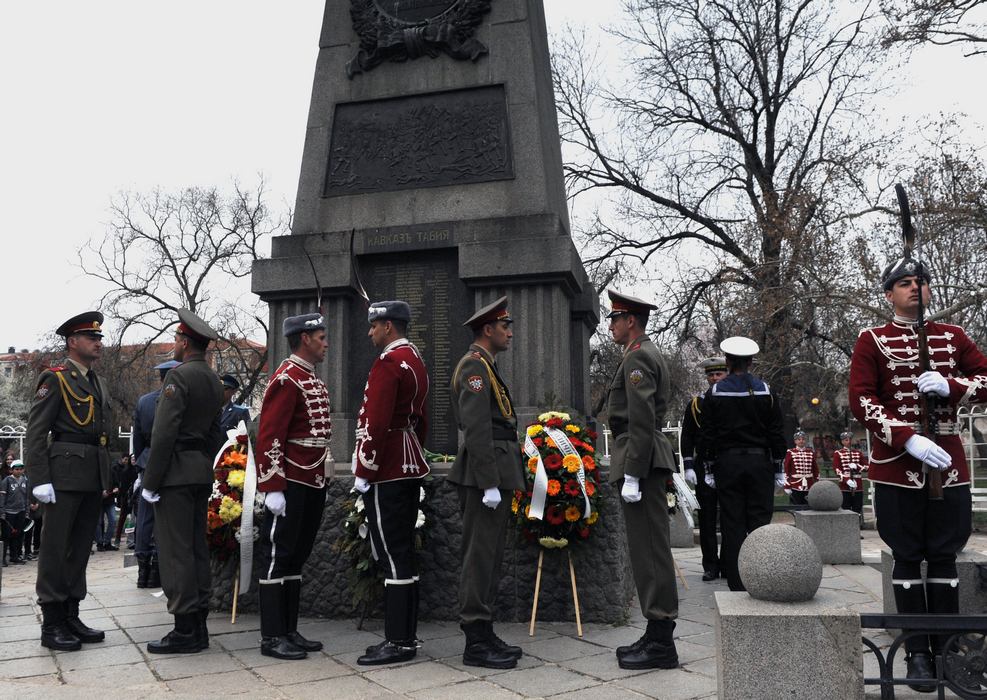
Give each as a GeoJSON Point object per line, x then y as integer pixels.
{"type": "Point", "coordinates": [401, 30]}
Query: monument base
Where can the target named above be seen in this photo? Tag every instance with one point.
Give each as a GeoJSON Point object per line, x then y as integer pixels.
{"type": "Point", "coordinates": [835, 533]}
{"type": "Point", "coordinates": [969, 565]}
{"type": "Point", "coordinates": [602, 566]}
{"type": "Point", "coordinates": [680, 532]}
{"type": "Point", "coordinates": [787, 650]}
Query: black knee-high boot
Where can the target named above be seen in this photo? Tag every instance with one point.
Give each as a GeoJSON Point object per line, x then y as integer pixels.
{"type": "Point", "coordinates": [943, 595]}
{"type": "Point", "coordinates": [400, 642]}
{"type": "Point", "coordinates": [909, 597]}
{"type": "Point", "coordinates": [273, 628]}
{"type": "Point", "coordinates": [293, 598]}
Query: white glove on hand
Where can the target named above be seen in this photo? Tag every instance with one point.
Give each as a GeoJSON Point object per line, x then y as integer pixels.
{"type": "Point", "coordinates": [780, 480]}
{"type": "Point", "coordinates": [925, 450]}
{"type": "Point", "coordinates": [710, 480]}
{"type": "Point", "coordinates": [137, 483]}
{"type": "Point", "coordinates": [933, 382]}
{"type": "Point", "coordinates": [851, 484]}
{"type": "Point", "coordinates": [45, 493]}
{"type": "Point", "coordinates": [690, 477]}
{"type": "Point", "coordinates": [274, 502]}
{"type": "Point", "coordinates": [150, 496]}
{"type": "Point", "coordinates": [631, 490]}
{"type": "Point", "coordinates": [788, 491]}
{"type": "Point", "coordinates": [491, 497]}
{"type": "Point", "coordinates": [361, 484]}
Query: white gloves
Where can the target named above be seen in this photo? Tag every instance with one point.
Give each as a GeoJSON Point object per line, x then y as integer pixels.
{"type": "Point", "coordinates": [788, 491]}
{"type": "Point", "coordinates": [361, 484]}
{"type": "Point", "coordinates": [491, 497]}
{"type": "Point", "coordinates": [925, 450]}
{"type": "Point", "coordinates": [45, 493]}
{"type": "Point", "coordinates": [274, 502]}
{"type": "Point", "coordinates": [150, 496]}
{"type": "Point", "coordinates": [851, 484]}
{"type": "Point", "coordinates": [631, 490]}
{"type": "Point", "coordinates": [933, 382]}
{"type": "Point", "coordinates": [690, 477]}
{"type": "Point", "coordinates": [710, 480]}
{"type": "Point", "coordinates": [780, 480]}
{"type": "Point", "coordinates": [137, 483]}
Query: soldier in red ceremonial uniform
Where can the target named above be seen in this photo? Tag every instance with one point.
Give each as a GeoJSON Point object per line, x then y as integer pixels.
{"type": "Point", "coordinates": [801, 470]}
{"type": "Point", "coordinates": [389, 464]}
{"type": "Point", "coordinates": [850, 465]}
{"type": "Point", "coordinates": [886, 384]}
{"type": "Point", "coordinates": [293, 464]}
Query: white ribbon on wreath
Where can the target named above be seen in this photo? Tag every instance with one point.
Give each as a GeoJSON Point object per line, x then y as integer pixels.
{"type": "Point", "coordinates": [539, 492]}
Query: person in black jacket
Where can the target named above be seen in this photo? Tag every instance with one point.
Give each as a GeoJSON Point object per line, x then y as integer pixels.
{"type": "Point", "coordinates": [743, 446]}
{"type": "Point", "coordinates": [126, 475]}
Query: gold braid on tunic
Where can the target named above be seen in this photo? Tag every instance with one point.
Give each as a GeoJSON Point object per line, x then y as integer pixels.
{"type": "Point", "coordinates": [66, 392]}
{"type": "Point", "coordinates": [500, 393]}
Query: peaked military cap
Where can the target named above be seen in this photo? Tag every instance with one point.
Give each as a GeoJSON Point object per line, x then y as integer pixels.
{"type": "Point", "coordinates": [714, 364]}
{"type": "Point", "coordinates": [739, 346]}
{"type": "Point", "coordinates": [626, 304]}
{"type": "Point", "coordinates": [901, 268]}
{"type": "Point", "coordinates": [90, 323]}
{"type": "Point", "coordinates": [389, 311]}
{"type": "Point", "coordinates": [846, 434]}
{"type": "Point", "coordinates": [169, 364]}
{"type": "Point", "coordinates": [497, 311]}
{"type": "Point", "coordinates": [798, 434]}
{"type": "Point", "coordinates": [230, 381]}
{"type": "Point", "coordinates": [306, 323]}
{"type": "Point", "coordinates": [194, 327]}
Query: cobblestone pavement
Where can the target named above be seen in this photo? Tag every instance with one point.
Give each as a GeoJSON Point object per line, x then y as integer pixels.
{"type": "Point", "coordinates": [556, 663]}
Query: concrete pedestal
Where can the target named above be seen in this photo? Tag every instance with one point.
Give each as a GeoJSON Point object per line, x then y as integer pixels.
{"type": "Point", "coordinates": [971, 569]}
{"type": "Point", "coordinates": [787, 650]}
{"type": "Point", "coordinates": [680, 532]}
{"type": "Point", "coordinates": [835, 533]}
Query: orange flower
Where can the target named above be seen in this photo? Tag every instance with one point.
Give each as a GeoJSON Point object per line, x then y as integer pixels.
{"type": "Point", "coordinates": [589, 447]}
{"type": "Point", "coordinates": [550, 442]}
{"type": "Point", "coordinates": [590, 488]}
{"type": "Point", "coordinates": [213, 521]}
{"type": "Point", "coordinates": [571, 463]}
{"type": "Point", "coordinates": [589, 463]}
{"type": "Point", "coordinates": [554, 487]}
{"type": "Point", "coordinates": [532, 464]}
{"type": "Point", "coordinates": [572, 514]}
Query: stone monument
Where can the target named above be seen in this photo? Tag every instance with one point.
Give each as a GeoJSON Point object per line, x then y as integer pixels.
{"type": "Point", "coordinates": [432, 172]}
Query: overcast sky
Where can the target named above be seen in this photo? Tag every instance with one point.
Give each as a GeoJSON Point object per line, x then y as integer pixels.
{"type": "Point", "coordinates": [112, 95]}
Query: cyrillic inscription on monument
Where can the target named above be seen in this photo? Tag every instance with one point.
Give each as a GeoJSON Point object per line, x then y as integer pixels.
{"type": "Point", "coordinates": [445, 138]}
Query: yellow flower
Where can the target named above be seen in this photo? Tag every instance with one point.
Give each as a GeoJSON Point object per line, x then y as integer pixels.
{"type": "Point", "coordinates": [235, 478]}
{"type": "Point", "coordinates": [527, 512]}
{"type": "Point", "coordinates": [572, 463]}
{"type": "Point", "coordinates": [572, 514]}
{"type": "Point", "coordinates": [572, 428]}
{"type": "Point", "coordinates": [229, 510]}
{"type": "Point", "coordinates": [549, 415]}
{"type": "Point", "coordinates": [515, 504]}
{"type": "Point", "coordinates": [534, 430]}
{"type": "Point", "coordinates": [593, 517]}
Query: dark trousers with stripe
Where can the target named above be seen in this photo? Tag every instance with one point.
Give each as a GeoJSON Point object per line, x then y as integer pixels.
{"type": "Point", "coordinates": [289, 538]}
{"type": "Point", "coordinates": [392, 510]}
{"type": "Point", "coordinates": [66, 543]}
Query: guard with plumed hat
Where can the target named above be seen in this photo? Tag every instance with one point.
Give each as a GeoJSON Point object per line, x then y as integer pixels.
{"type": "Point", "coordinates": [178, 479]}
{"type": "Point", "coordinates": [70, 471]}
{"type": "Point", "coordinates": [293, 470]}
{"type": "Point", "coordinates": [641, 463]}
{"type": "Point", "coordinates": [487, 471]}
{"type": "Point", "coordinates": [715, 369]}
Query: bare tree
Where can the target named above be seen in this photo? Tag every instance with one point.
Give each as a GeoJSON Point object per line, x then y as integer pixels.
{"type": "Point", "coordinates": [939, 22]}
{"type": "Point", "coordinates": [165, 250]}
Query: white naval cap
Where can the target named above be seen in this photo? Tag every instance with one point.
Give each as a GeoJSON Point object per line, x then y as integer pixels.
{"type": "Point", "coordinates": [739, 346]}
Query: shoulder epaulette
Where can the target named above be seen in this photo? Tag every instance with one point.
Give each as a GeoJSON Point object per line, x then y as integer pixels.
{"type": "Point", "coordinates": [477, 355]}
{"type": "Point", "coordinates": [636, 346]}
{"type": "Point", "coordinates": [59, 368]}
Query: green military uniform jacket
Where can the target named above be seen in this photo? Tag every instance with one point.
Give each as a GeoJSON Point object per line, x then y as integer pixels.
{"type": "Point", "coordinates": [69, 405]}
{"type": "Point", "coordinates": [186, 435]}
{"type": "Point", "coordinates": [489, 456]}
{"type": "Point", "coordinates": [636, 406]}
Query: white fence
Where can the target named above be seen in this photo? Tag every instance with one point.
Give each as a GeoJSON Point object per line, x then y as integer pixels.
{"type": "Point", "coordinates": [17, 433]}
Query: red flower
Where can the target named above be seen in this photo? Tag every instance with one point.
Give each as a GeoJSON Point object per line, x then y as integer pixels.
{"type": "Point", "coordinates": [554, 515]}
{"type": "Point", "coordinates": [224, 488]}
{"type": "Point", "coordinates": [554, 422]}
{"type": "Point", "coordinates": [241, 439]}
{"type": "Point", "coordinates": [584, 532]}
{"type": "Point", "coordinates": [538, 441]}
{"type": "Point", "coordinates": [553, 461]}
{"type": "Point", "coordinates": [572, 487]}
{"type": "Point", "coordinates": [591, 433]}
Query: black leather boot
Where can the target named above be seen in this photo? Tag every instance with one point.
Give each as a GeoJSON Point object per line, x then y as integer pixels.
{"type": "Point", "coordinates": [400, 644]}
{"type": "Point", "coordinates": [631, 648]}
{"type": "Point", "coordinates": [480, 649]}
{"type": "Point", "coordinates": [943, 595]}
{"type": "Point", "coordinates": [55, 634]}
{"type": "Point", "coordinates": [293, 595]}
{"type": "Point", "coordinates": [274, 641]}
{"type": "Point", "coordinates": [86, 634]}
{"type": "Point", "coordinates": [909, 597]}
{"type": "Point", "coordinates": [920, 667]}
{"type": "Point", "coordinates": [143, 570]}
{"type": "Point", "coordinates": [657, 651]}
{"type": "Point", "coordinates": [184, 639]}
{"type": "Point", "coordinates": [201, 630]}
{"type": "Point", "coordinates": [501, 645]}
{"type": "Point", "coordinates": [153, 573]}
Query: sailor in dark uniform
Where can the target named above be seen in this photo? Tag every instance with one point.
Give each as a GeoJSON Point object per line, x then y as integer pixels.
{"type": "Point", "coordinates": [232, 413]}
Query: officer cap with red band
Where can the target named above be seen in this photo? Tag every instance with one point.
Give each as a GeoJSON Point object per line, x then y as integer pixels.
{"type": "Point", "coordinates": [626, 304]}
{"type": "Point", "coordinates": [90, 323]}
{"type": "Point", "coordinates": [490, 313]}
{"type": "Point", "coordinates": [194, 327]}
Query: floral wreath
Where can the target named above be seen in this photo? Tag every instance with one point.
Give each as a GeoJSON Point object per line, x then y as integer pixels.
{"type": "Point", "coordinates": [226, 501]}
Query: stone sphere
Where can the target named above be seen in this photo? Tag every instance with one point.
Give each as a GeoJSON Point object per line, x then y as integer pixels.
{"type": "Point", "coordinates": [780, 563]}
{"type": "Point", "coordinates": [825, 495]}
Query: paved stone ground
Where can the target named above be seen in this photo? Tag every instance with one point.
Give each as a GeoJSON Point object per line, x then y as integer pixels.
{"type": "Point", "coordinates": [556, 661]}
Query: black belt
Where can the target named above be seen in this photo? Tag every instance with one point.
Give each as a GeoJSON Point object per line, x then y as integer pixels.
{"type": "Point", "coordinates": [746, 451]}
{"type": "Point", "coordinates": [79, 438]}
{"type": "Point", "coordinates": [504, 434]}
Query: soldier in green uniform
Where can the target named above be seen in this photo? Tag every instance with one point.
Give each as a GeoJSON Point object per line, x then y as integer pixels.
{"type": "Point", "coordinates": [641, 461]}
{"type": "Point", "coordinates": [178, 480]}
{"type": "Point", "coordinates": [487, 471]}
{"type": "Point", "coordinates": [71, 472]}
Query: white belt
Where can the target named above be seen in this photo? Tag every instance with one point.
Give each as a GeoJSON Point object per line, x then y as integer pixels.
{"type": "Point", "coordinates": [319, 442]}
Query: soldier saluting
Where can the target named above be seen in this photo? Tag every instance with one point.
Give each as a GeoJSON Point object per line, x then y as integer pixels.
{"type": "Point", "coordinates": [641, 462]}
{"type": "Point", "coordinates": [71, 472]}
{"type": "Point", "coordinates": [487, 470]}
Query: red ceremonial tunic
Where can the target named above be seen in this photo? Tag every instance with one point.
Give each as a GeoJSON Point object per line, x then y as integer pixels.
{"type": "Point", "coordinates": [393, 423]}
{"type": "Point", "coordinates": [849, 464]}
{"type": "Point", "coordinates": [801, 470]}
{"type": "Point", "coordinates": [293, 436]}
{"type": "Point", "coordinates": [884, 398]}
